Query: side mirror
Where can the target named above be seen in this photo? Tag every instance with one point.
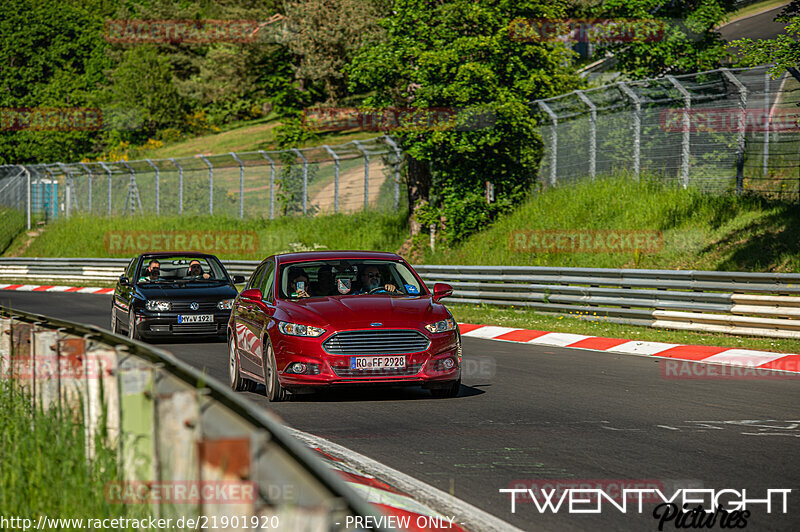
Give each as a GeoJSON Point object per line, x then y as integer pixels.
{"type": "Point", "coordinates": [253, 294]}
{"type": "Point", "coordinates": [441, 290]}
{"type": "Point", "coordinates": [238, 279]}
{"type": "Point", "coordinates": [124, 281]}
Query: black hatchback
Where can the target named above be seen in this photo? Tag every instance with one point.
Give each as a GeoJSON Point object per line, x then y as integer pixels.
{"type": "Point", "coordinates": [164, 295]}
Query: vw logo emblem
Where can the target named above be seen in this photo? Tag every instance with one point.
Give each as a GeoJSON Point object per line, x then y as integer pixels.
{"type": "Point", "coordinates": [376, 324]}
{"type": "Point", "coordinates": [194, 306]}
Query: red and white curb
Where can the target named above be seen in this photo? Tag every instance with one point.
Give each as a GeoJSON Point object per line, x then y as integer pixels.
{"type": "Point", "coordinates": [55, 288]}
{"type": "Point", "coordinates": [787, 362]}
{"type": "Point", "coordinates": [388, 490]}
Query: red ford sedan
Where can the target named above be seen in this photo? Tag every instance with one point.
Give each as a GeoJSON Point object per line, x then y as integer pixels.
{"type": "Point", "coordinates": [322, 319]}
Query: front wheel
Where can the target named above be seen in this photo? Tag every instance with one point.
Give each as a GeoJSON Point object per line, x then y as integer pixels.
{"type": "Point", "coordinates": [114, 321]}
{"type": "Point", "coordinates": [237, 382]}
{"type": "Point", "coordinates": [448, 391]}
{"type": "Point", "coordinates": [133, 334]}
{"type": "Point", "coordinates": [275, 392]}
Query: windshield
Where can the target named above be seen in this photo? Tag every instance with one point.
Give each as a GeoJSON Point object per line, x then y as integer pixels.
{"type": "Point", "coordinates": [347, 278]}
{"type": "Point", "coordinates": [180, 269]}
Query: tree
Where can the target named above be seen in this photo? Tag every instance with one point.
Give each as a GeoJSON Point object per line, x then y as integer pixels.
{"type": "Point", "coordinates": [460, 55]}
{"type": "Point", "coordinates": [784, 50]}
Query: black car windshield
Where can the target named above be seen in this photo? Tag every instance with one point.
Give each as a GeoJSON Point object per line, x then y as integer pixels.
{"type": "Point", "coordinates": [180, 269]}
{"type": "Point", "coordinates": [326, 278]}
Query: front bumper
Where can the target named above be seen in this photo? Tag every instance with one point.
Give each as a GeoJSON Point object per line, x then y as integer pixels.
{"type": "Point", "coordinates": [165, 324]}
{"type": "Point", "coordinates": [422, 368]}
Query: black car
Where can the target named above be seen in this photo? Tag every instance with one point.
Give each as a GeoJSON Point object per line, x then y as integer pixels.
{"type": "Point", "coordinates": [173, 294]}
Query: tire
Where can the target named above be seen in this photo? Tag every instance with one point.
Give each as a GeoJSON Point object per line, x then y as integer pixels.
{"type": "Point", "coordinates": [235, 379]}
{"type": "Point", "coordinates": [275, 392]}
{"type": "Point", "coordinates": [114, 320]}
{"type": "Point", "coordinates": [449, 391]}
{"type": "Point", "coordinates": [133, 334]}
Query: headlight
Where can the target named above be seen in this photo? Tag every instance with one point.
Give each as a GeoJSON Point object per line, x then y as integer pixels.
{"type": "Point", "coordinates": [295, 329]}
{"type": "Point", "coordinates": [442, 326]}
{"type": "Point", "coordinates": [225, 304]}
{"type": "Point", "coordinates": [158, 306]}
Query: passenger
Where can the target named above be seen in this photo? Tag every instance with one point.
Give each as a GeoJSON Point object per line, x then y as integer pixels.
{"type": "Point", "coordinates": [298, 276]}
{"type": "Point", "coordinates": [152, 273]}
{"type": "Point", "coordinates": [370, 279]}
{"type": "Point", "coordinates": [325, 285]}
{"type": "Point", "coordinates": [196, 270]}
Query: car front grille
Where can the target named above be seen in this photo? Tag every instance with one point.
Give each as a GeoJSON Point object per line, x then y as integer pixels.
{"type": "Point", "coordinates": [197, 328]}
{"type": "Point", "coordinates": [184, 306]}
{"type": "Point", "coordinates": [411, 369]}
{"type": "Point", "coordinates": [376, 342]}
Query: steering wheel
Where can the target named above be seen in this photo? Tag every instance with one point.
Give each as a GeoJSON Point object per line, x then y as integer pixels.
{"type": "Point", "coordinates": [377, 290]}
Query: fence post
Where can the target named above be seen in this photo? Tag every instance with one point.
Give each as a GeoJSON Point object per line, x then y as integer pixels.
{"type": "Point", "coordinates": [89, 177]}
{"type": "Point", "coordinates": [335, 177]}
{"type": "Point", "coordinates": [241, 184]}
{"type": "Point", "coordinates": [180, 185]}
{"type": "Point", "coordinates": [592, 133]}
{"type": "Point", "coordinates": [108, 171]}
{"type": "Point", "coordinates": [271, 183]}
{"type": "Point", "coordinates": [398, 155]}
{"type": "Point", "coordinates": [366, 172]}
{"type": "Point", "coordinates": [132, 197]}
{"type": "Point", "coordinates": [210, 184]}
{"type": "Point", "coordinates": [553, 142]}
{"type": "Point", "coordinates": [685, 142]}
{"type": "Point", "coordinates": [767, 117]}
{"type": "Point", "coordinates": [28, 194]}
{"type": "Point", "coordinates": [67, 189]}
{"type": "Point", "coordinates": [637, 127]}
{"type": "Point", "coordinates": [158, 186]}
{"type": "Point", "coordinates": [740, 137]}
{"type": "Point", "coordinates": [305, 179]}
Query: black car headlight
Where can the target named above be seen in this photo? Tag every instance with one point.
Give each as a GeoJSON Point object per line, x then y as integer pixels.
{"type": "Point", "coordinates": [295, 329]}
{"type": "Point", "coordinates": [158, 306]}
{"type": "Point", "coordinates": [442, 326]}
{"type": "Point", "coordinates": [225, 304]}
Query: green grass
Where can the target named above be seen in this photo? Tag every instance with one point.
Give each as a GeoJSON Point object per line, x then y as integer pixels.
{"type": "Point", "coordinates": [12, 224]}
{"type": "Point", "coordinates": [84, 236]}
{"type": "Point", "coordinates": [700, 231]}
{"type": "Point", "coordinates": [44, 466]}
{"type": "Point", "coordinates": [528, 319]}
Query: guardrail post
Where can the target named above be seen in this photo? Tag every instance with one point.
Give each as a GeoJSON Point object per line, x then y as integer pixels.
{"type": "Point", "coordinates": [740, 137]}
{"type": "Point", "coordinates": [398, 157]}
{"type": "Point", "coordinates": [686, 128]}
{"type": "Point", "coordinates": [592, 133]}
{"type": "Point", "coordinates": [366, 172]}
{"type": "Point", "coordinates": [241, 184]}
{"type": "Point", "coordinates": [89, 177]}
{"type": "Point", "coordinates": [158, 186]}
{"type": "Point", "coordinates": [767, 117]}
{"type": "Point", "coordinates": [305, 178]}
{"type": "Point", "coordinates": [180, 185]}
{"type": "Point", "coordinates": [637, 127]}
{"type": "Point", "coordinates": [553, 142]}
{"type": "Point", "coordinates": [271, 183]}
{"type": "Point", "coordinates": [108, 171]}
{"type": "Point", "coordinates": [335, 177]}
{"type": "Point", "coordinates": [210, 184]}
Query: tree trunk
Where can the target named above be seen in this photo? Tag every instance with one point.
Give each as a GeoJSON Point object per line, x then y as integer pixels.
{"type": "Point", "coordinates": [419, 188]}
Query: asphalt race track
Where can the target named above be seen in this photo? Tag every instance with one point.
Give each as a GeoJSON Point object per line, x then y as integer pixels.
{"type": "Point", "coordinates": [530, 413]}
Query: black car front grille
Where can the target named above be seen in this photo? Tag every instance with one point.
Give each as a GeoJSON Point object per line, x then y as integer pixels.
{"type": "Point", "coordinates": [197, 328]}
{"type": "Point", "coordinates": [185, 306]}
{"type": "Point", "coordinates": [411, 369]}
{"type": "Point", "coordinates": [376, 342]}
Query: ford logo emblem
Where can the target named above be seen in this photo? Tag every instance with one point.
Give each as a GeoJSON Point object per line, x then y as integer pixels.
{"type": "Point", "coordinates": [194, 306]}
{"type": "Point", "coordinates": [376, 324]}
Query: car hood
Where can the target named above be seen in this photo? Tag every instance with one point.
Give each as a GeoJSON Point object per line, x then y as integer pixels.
{"type": "Point", "coordinates": [352, 312]}
{"type": "Point", "coordinates": [222, 291]}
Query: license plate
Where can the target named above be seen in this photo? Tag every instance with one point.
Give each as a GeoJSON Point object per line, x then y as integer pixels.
{"type": "Point", "coordinates": [387, 362]}
{"type": "Point", "coordinates": [196, 318]}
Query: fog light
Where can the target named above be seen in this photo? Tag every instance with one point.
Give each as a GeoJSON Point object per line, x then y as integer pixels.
{"type": "Point", "coordinates": [448, 363]}
{"type": "Point", "coordinates": [298, 367]}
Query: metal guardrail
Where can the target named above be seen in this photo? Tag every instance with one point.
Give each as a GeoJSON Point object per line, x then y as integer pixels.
{"type": "Point", "coordinates": [174, 425]}
{"type": "Point", "coordinates": [741, 303]}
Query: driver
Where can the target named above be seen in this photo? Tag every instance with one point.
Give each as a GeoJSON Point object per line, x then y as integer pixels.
{"type": "Point", "coordinates": [196, 270]}
{"type": "Point", "coordinates": [152, 272]}
{"type": "Point", "coordinates": [371, 279]}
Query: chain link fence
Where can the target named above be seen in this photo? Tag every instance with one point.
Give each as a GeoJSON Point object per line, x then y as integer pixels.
{"type": "Point", "coordinates": [344, 178]}
{"type": "Point", "coordinates": [722, 130]}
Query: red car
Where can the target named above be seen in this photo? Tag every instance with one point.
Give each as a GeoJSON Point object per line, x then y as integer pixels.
{"type": "Point", "coordinates": [323, 319]}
